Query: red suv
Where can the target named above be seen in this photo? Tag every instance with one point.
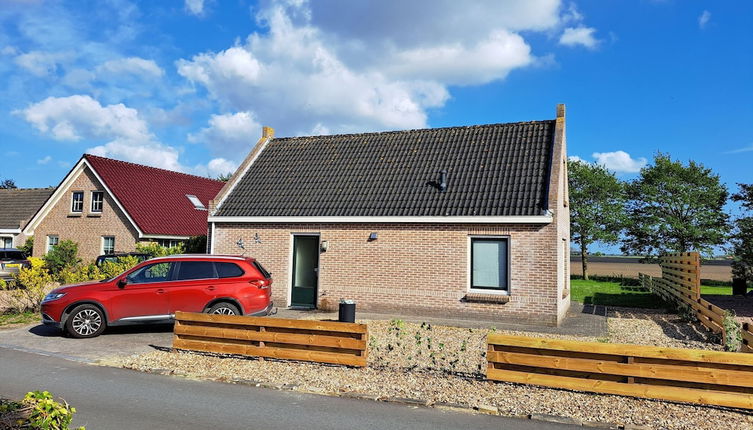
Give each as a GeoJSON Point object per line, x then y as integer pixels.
{"type": "Point", "coordinates": [154, 289]}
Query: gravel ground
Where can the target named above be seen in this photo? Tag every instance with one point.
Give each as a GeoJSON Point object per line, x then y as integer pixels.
{"type": "Point", "coordinates": [445, 364]}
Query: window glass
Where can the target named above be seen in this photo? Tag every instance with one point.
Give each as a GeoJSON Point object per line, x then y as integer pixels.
{"type": "Point", "coordinates": [489, 263]}
{"type": "Point", "coordinates": [262, 270]}
{"type": "Point", "coordinates": [7, 242]}
{"type": "Point", "coordinates": [228, 270]}
{"type": "Point", "coordinates": [108, 244]}
{"type": "Point", "coordinates": [156, 272]}
{"type": "Point", "coordinates": [77, 204]}
{"type": "Point", "coordinates": [97, 197]}
{"type": "Point", "coordinates": [52, 241]}
{"type": "Point", "coordinates": [196, 270]}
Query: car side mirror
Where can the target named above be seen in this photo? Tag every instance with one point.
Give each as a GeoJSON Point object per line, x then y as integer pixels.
{"type": "Point", "coordinates": [122, 282]}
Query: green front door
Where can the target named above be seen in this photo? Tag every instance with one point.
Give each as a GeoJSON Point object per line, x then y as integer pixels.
{"type": "Point", "coordinates": [305, 271]}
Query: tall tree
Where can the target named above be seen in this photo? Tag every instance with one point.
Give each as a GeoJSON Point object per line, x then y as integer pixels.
{"type": "Point", "coordinates": [597, 207]}
{"type": "Point", "coordinates": [7, 183]}
{"type": "Point", "coordinates": [742, 237]}
{"type": "Point", "coordinates": [674, 207]}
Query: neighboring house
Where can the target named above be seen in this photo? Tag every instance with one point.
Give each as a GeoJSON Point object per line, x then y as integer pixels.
{"type": "Point", "coordinates": [17, 206]}
{"type": "Point", "coordinates": [468, 222]}
{"type": "Point", "coordinates": [107, 205]}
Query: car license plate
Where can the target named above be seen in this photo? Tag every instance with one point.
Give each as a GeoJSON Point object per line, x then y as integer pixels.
{"type": "Point", "coordinates": [13, 266]}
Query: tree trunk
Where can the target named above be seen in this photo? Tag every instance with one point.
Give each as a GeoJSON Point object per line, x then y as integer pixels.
{"type": "Point", "coordinates": [584, 258]}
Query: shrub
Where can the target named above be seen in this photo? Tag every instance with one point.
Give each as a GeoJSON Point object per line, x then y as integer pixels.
{"type": "Point", "coordinates": [28, 246]}
{"type": "Point", "coordinates": [37, 410]}
{"type": "Point", "coordinates": [733, 337]}
{"type": "Point", "coordinates": [156, 250]}
{"type": "Point", "coordinates": [110, 269]}
{"type": "Point", "coordinates": [196, 245]}
{"type": "Point", "coordinates": [75, 275]}
{"type": "Point", "coordinates": [30, 286]}
{"type": "Point", "coordinates": [63, 255]}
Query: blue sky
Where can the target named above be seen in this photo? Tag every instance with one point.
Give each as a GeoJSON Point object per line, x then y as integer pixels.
{"type": "Point", "coordinates": [187, 85]}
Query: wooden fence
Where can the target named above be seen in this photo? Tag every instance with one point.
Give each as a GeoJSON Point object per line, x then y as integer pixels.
{"type": "Point", "coordinates": [681, 283]}
{"type": "Point", "coordinates": [682, 375]}
{"type": "Point", "coordinates": [318, 341]}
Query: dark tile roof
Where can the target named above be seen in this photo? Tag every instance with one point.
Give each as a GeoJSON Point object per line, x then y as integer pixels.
{"type": "Point", "coordinates": [20, 204]}
{"type": "Point", "coordinates": [156, 198]}
{"type": "Point", "coordinates": [496, 169]}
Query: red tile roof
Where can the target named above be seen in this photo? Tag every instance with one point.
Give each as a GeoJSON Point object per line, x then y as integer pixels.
{"type": "Point", "coordinates": [155, 198]}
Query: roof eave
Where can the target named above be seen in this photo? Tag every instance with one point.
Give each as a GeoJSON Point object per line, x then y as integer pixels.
{"type": "Point", "coordinates": [515, 219]}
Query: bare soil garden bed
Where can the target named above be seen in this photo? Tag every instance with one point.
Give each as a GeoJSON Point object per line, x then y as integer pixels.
{"type": "Point", "coordinates": [436, 364]}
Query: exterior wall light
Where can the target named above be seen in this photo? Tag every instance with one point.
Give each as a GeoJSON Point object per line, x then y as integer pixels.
{"type": "Point", "coordinates": [324, 246]}
{"type": "Point", "coordinates": [373, 236]}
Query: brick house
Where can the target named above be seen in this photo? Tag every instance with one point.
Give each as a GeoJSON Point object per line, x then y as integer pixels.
{"type": "Point", "coordinates": [467, 222]}
{"type": "Point", "coordinates": [17, 206]}
{"type": "Point", "coordinates": [108, 206]}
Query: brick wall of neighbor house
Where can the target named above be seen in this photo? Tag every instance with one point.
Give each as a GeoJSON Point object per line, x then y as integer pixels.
{"type": "Point", "coordinates": [420, 269]}
{"type": "Point", "coordinates": [86, 228]}
{"type": "Point", "coordinates": [559, 205]}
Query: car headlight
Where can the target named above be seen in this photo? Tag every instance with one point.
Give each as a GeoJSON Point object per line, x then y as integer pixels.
{"type": "Point", "coordinates": [52, 296]}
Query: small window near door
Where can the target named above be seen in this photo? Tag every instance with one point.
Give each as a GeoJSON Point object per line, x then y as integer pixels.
{"type": "Point", "coordinates": [196, 270]}
{"type": "Point", "coordinates": [7, 242]}
{"type": "Point", "coordinates": [108, 245]}
{"type": "Point", "coordinates": [77, 201]}
{"type": "Point", "coordinates": [52, 242]}
{"type": "Point", "coordinates": [490, 264]}
{"type": "Point", "coordinates": [97, 199]}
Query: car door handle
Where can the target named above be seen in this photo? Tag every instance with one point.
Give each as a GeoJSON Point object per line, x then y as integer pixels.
{"type": "Point", "coordinates": [161, 291]}
{"type": "Point", "coordinates": [210, 288]}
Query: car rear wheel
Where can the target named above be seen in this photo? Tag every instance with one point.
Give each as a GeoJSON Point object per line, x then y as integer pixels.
{"type": "Point", "coordinates": [224, 308]}
{"type": "Point", "coordinates": [85, 321]}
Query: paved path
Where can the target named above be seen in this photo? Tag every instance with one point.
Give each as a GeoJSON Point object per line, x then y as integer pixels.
{"type": "Point", "coordinates": [110, 398]}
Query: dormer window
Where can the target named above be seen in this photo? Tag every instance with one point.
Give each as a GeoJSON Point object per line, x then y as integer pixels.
{"type": "Point", "coordinates": [197, 204]}
{"type": "Point", "coordinates": [97, 199]}
{"type": "Point", "coordinates": [77, 202]}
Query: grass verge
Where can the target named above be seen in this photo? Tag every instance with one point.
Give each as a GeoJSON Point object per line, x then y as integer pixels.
{"type": "Point", "coordinates": [11, 318]}
{"type": "Point", "coordinates": [613, 293]}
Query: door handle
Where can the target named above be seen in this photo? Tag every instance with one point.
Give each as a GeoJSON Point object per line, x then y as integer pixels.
{"type": "Point", "coordinates": [160, 291]}
{"type": "Point", "coordinates": [210, 288]}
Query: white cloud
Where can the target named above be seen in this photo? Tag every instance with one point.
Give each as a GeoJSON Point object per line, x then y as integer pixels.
{"type": "Point", "coordinates": [704, 19]}
{"type": "Point", "coordinates": [44, 160]}
{"type": "Point", "coordinates": [195, 7]}
{"type": "Point", "coordinates": [229, 134]}
{"type": "Point", "coordinates": [8, 50]}
{"type": "Point", "coordinates": [619, 161]}
{"type": "Point", "coordinates": [39, 63]}
{"type": "Point", "coordinates": [215, 168]}
{"type": "Point", "coordinates": [315, 70]}
{"type": "Point", "coordinates": [584, 36]}
{"type": "Point", "coordinates": [132, 65]}
{"type": "Point", "coordinates": [576, 158]}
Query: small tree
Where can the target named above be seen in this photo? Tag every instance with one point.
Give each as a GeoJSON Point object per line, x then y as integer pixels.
{"type": "Point", "coordinates": [7, 184]}
{"type": "Point", "coordinates": [63, 255]}
{"type": "Point", "coordinates": [28, 246]}
{"type": "Point", "coordinates": [597, 206]}
{"type": "Point", "coordinates": [742, 237]}
{"type": "Point", "coordinates": [675, 208]}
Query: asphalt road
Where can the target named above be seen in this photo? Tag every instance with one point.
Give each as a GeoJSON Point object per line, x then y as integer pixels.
{"type": "Point", "coordinates": [111, 398]}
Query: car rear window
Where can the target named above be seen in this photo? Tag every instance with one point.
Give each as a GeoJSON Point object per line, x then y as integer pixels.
{"type": "Point", "coordinates": [12, 255]}
{"type": "Point", "coordinates": [228, 270]}
{"type": "Point", "coordinates": [262, 270]}
{"type": "Point", "coordinates": [196, 270]}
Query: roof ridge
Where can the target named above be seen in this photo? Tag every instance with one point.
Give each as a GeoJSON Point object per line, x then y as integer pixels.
{"type": "Point", "coordinates": [87, 156]}
{"type": "Point", "coordinates": [28, 189]}
{"type": "Point", "coordinates": [373, 133]}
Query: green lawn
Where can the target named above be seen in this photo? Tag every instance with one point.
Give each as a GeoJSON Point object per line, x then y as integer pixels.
{"type": "Point", "coordinates": [7, 319]}
{"type": "Point", "coordinates": [613, 294]}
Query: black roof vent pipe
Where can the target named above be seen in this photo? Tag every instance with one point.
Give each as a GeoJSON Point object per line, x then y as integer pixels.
{"type": "Point", "coordinates": [443, 180]}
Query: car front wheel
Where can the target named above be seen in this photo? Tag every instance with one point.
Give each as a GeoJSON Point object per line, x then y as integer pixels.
{"type": "Point", "coordinates": [224, 308]}
{"type": "Point", "coordinates": [85, 321]}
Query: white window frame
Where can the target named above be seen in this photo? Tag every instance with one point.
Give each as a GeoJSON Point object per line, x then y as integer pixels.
{"type": "Point", "coordinates": [502, 292]}
{"type": "Point", "coordinates": [197, 204]}
{"type": "Point", "coordinates": [104, 240]}
{"type": "Point", "coordinates": [171, 242]}
{"type": "Point", "coordinates": [101, 202]}
{"type": "Point", "coordinates": [3, 239]}
{"type": "Point", "coordinates": [49, 247]}
{"type": "Point", "coordinates": [73, 202]}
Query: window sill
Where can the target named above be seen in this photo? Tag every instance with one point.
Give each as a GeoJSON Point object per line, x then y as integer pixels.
{"type": "Point", "coordinates": [94, 214]}
{"type": "Point", "coordinates": [75, 214]}
{"type": "Point", "coordinates": [486, 298]}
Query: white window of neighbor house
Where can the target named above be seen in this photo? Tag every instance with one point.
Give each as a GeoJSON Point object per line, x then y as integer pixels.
{"type": "Point", "coordinates": [52, 242]}
{"type": "Point", "coordinates": [6, 242]}
{"type": "Point", "coordinates": [77, 201]}
{"type": "Point", "coordinates": [108, 245]}
{"type": "Point", "coordinates": [97, 199]}
{"type": "Point", "coordinates": [490, 264]}
{"type": "Point", "coordinates": [197, 204]}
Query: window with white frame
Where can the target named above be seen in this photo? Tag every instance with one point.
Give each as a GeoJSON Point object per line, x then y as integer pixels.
{"type": "Point", "coordinates": [7, 242]}
{"type": "Point", "coordinates": [197, 204]}
{"type": "Point", "coordinates": [108, 245]}
{"type": "Point", "coordinates": [490, 264]}
{"type": "Point", "coordinates": [97, 199]}
{"type": "Point", "coordinates": [77, 201]}
{"type": "Point", "coordinates": [52, 242]}
{"type": "Point", "coordinates": [169, 243]}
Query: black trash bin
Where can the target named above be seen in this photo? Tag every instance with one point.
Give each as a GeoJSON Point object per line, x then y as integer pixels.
{"type": "Point", "coordinates": [347, 311]}
{"type": "Point", "coordinates": [739, 287]}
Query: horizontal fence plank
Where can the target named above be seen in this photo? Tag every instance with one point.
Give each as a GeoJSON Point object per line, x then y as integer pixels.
{"type": "Point", "coordinates": [678, 394]}
{"type": "Point", "coordinates": [275, 322]}
{"type": "Point", "coordinates": [623, 349]}
{"type": "Point", "coordinates": [708, 375]}
{"type": "Point", "coordinates": [270, 336]}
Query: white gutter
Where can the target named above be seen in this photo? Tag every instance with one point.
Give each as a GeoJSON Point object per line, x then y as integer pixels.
{"type": "Point", "coordinates": [10, 231]}
{"type": "Point", "coordinates": [536, 219]}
